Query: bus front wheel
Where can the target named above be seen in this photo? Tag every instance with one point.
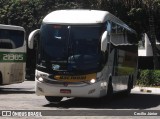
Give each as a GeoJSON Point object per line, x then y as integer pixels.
{"type": "Point", "coordinates": [53, 99]}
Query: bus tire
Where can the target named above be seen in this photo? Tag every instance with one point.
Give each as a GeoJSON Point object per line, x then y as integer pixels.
{"type": "Point", "coordinates": [1, 80]}
{"type": "Point", "coordinates": [130, 85]}
{"type": "Point", "coordinates": [110, 89]}
{"type": "Point", "coordinates": [53, 99]}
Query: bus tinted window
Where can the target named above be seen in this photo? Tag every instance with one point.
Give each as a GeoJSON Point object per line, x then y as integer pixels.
{"type": "Point", "coordinates": [10, 39]}
{"type": "Point", "coordinates": [117, 34]}
{"type": "Point", "coordinates": [121, 36]}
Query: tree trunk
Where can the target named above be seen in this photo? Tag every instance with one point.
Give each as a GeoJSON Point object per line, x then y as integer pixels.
{"type": "Point", "coordinates": [152, 38]}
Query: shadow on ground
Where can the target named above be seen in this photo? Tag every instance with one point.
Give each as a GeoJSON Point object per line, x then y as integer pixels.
{"type": "Point", "coordinates": [16, 91]}
{"type": "Point", "coordinates": [134, 101]}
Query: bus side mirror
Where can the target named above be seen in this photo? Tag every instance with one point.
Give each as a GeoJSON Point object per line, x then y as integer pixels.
{"type": "Point", "coordinates": [104, 41]}
{"type": "Point", "coordinates": [31, 38]}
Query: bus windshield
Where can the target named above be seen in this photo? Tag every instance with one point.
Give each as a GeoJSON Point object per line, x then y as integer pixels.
{"type": "Point", "coordinates": [64, 47]}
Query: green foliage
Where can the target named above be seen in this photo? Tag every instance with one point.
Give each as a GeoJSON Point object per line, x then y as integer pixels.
{"type": "Point", "coordinates": [29, 13]}
{"type": "Point", "coordinates": [20, 12]}
{"type": "Point", "coordinates": [149, 78]}
{"type": "Point", "coordinates": [138, 20]}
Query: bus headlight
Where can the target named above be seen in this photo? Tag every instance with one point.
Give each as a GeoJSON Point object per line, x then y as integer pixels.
{"type": "Point", "coordinates": [92, 80]}
{"type": "Point", "coordinates": [40, 79]}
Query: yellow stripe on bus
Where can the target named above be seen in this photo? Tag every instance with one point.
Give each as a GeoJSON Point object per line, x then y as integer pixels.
{"type": "Point", "coordinates": [76, 78]}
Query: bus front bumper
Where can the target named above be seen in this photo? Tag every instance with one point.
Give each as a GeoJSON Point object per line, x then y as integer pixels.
{"type": "Point", "coordinates": [94, 90]}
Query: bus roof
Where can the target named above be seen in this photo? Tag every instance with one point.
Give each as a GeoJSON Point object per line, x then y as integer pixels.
{"type": "Point", "coordinates": [78, 17]}
{"type": "Point", "coordinates": [12, 27]}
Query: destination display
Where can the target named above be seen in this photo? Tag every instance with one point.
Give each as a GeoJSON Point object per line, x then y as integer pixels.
{"type": "Point", "coordinates": [76, 78]}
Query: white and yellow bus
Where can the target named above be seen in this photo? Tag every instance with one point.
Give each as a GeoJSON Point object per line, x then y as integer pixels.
{"type": "Point", "coordinates": [84, 53]}
{"type": "Point", "coordinates": [12, 54]}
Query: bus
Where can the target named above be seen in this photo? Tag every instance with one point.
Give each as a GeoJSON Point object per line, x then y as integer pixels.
{"type": "Point", "coordinates": [12, 54]}
{"type": "Point", "coordinates": [84, 53]}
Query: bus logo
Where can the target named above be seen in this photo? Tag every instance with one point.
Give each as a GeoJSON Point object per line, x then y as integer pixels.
{"type": "Point", "coordinates": [6, 113]}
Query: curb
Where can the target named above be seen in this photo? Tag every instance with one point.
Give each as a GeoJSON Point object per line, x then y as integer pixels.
{"type": "Point", "coordinates": [147, 89]}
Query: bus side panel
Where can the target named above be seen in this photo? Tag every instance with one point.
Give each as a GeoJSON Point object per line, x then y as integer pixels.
{"type": "Point", "coordinates": [12, 65]}
{"type": "Point", "coordinates": [124, 43]}
{"type": "Point", "coordinates": [125, 64]}
{"type": "Point", "coordinates": [12, 72]}
{"type": "Point", "coordinates": [105, 73]}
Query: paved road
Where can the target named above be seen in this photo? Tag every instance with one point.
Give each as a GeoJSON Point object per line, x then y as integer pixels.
{"type": "Point", "coordinates": [22, 97]}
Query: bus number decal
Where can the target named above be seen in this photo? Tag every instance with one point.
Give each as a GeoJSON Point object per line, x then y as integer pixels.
{"type": "Point", "coordinates": [12, 57]}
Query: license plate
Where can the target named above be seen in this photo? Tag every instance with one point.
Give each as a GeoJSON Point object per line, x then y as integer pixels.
{"type": "Point", "coordinates": [67, 91]}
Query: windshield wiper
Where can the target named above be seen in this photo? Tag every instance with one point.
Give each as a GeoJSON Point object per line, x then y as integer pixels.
{"type": "Point", "coordinates": [68, 42]}
{"type": "Point", "coordinates": [71, 52]}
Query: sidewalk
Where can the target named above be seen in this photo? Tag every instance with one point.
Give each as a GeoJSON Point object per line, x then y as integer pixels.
{"type": "Point", "coordinates": [147, 89]}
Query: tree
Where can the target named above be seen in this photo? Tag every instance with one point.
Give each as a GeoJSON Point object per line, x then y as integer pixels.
{"type": "Point", "coordinates": [151, 8]}
{"type": "Point", "coordinates": [144, 15]}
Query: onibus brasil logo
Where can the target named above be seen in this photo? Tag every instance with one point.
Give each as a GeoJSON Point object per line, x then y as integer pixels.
{"type": "Point", "coordinates": [21, 113]}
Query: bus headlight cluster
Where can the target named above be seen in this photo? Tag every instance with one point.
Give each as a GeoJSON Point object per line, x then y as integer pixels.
{"type": "Point", "coordinates": [92, 80]}
{"type": "Point", "coordinates": [40, 79]}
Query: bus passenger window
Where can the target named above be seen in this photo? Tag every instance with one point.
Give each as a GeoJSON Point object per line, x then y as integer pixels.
{"type": "Point", "coordinates": [117, 35]}
{"type": "Point", "coordinates": [5, 45]}
{"type": "Point", "coordinates": [114, 28]}
{"type": "Point", "coordinates": [11, 39]}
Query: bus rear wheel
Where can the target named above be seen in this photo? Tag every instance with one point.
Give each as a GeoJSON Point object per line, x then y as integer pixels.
{"type": "Point", "coordinates": [110, 90]}
{"type": "Point", "coordinates": [1, 80]}
{"type": "Point", "coordinates": [53, 99]}
{"type": "Point", "coordinates": [130, 85]}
